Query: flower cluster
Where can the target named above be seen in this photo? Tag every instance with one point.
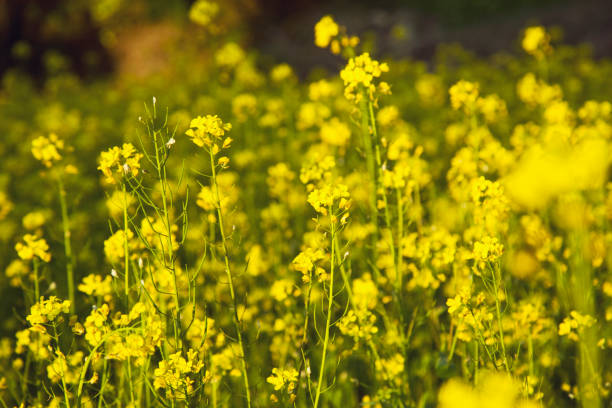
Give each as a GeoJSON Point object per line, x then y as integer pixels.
{"type": "Point", "coordinates": [173, 374]}
{"type": "Point", "coordinates": [537, 42]}
{"type": "Point", "coordinates": [47, 149]}
{"type": "Point", "coordinates": [360, 76]}
{"type": "Point", "coordinates": [46, 311]}
{"type": "Point", "coordinates": [124, 160]}
{"type": "Point", "coordinates": [33, 247]}
{"type": "Point", "coordinates": [329, 33]}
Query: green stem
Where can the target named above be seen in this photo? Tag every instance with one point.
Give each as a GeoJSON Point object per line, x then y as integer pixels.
{"type": "Point", "coordinates": [62, 376]}
{"type": "Point", "coordinates": [169, 263]}
{"type": "Point", "coordinates": [476, 362]}
{"type": "Point", "coordinates": [499, 321]}
{"type": "Point", "coordinates": [126, 250]}
{"type": "Point", "coordinates": [102, 384]}
{"type": "Point", "coordinates": [329, 309]}
{"type": "Point", "coordinates": [36, 286]}
{"type": "Point", "coordinates": [589, 375]}
{"type": "Point", "coordinates": [67, 243]}
{"type": "Point", "coordinates": [130, 382]}
{"type": "Point", "coordinates": [530, 352]}
{"type": "Point", "coordinates": [230, 279]}
{"type": "Point", "coordinates": [400, 236]}
{"type": "Point", "coordinates": [367, 144]}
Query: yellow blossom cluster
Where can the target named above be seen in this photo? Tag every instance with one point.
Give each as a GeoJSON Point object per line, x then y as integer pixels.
{"type": "Point", "coordinates": [46, 310]}
{"type": "Point", "coordinates": [494, 390]}
{"type": "Point", "coordinates": [329, 34]}
{"type": "Point", "coordinates": [536, 42]}
{"type": "Point", "coordinates": [124, 160]}
{"type": "Point", "coordinates": [47, 149]}
{"type": "Point", "coordinates": [573, 325]}
{"type": "Point", "coordinates": [283, 379]}
{"type": "Point", "coordinates": [172, 374]}
{"type": "Point", "coordinates": [95, 285]}
{"type": "Point", "coordinates": [360, 76]}
{"type": "Point", "coordinates": [208, 132]}
{"type": "Point", "coordinates": [203, 12]}
{"type": "Point", "coordinates": [33, 247]}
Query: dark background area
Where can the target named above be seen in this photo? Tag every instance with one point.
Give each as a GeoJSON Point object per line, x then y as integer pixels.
{"type": "Point", "coordinates": [282, 29]}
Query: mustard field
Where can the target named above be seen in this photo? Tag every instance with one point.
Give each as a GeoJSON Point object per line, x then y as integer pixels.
{"type": "Point", "coordinates": [228, 233]}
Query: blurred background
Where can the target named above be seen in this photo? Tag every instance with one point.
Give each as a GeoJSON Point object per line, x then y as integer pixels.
{"type": "Point", "coordinates": [135, 38]}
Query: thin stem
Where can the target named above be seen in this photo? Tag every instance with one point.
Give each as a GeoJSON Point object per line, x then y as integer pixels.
{"type": "Point", "coordinates": [169, 264]}
{"type": "Point", "coordinates": [499, 321]}
{"type": "Point", "coordinates": [62, 375]}
{"type": "Point", "coordinates": [476, 362]}
{"type": "Point", "coordinates": [130, 382]}
{"type": "Point", "coordinates": [329, 310]}
{"type": "Point", "coordinates": [400, 236]}
{"type": "Point", "coordinates": [126, 250]}
{"type": "Point", "coordinates": [67, 243]}
{"type": "Point", "coordinates": [230, 279]}
{"type": "Point", "coordinates": [36, 286]}
{"type": "Point", "coordinates": [367, 144]}
{"type": "Point", "coordinates": [530, 353]}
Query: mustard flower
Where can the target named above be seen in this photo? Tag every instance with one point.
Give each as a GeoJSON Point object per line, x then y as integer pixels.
{"type": "Point", "coordinates": [360, 74]}
{"type": "Point", "coordinates": [285, 378]}
{"type": "Point", "coordinates": [46, 311]}
{"type": "Point", "coordinates": [536, 42]}
{"type": "Point", "coordinates": [32, 247]}
{"type": "Point", "coordinates": [207, 131]}
{"type": "Point", "coordinates": [325, 30]}
{"type": "Point", "coordinates": [203, 12]}
{"type": "Point", "coordinates": [230, 55]}
{"type": "Point", "coordinates": [463, 95]}
{"type": "Point", "coordinates": [47, 149]}
{"type": "Point", "coordinates": [124, 160]}
{"type": "Point", "coordinates": [335, 133]}
{"type": "Point", "coordinates": [94, 285]}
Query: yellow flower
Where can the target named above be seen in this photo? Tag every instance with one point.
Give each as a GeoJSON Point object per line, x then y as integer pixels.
{"type": "Point", "coordinates": [244, 106]}
{"type": "Point", "coordinates": [492, 107]}
{"type": "Point", "coordinates": [493, 390]}
{"type": "Point", "coordinates": [281, 72]}
{"type": "Point", "coordinates": [359, 74]}
{"type": "Point", "coordinates": [322, 199]}
{"type": "Point", "coordinates": [537, 92]}
{"type": "Point", "coordinates": [487, 250]}
{"type": "Point", "coordinates": [65, 368]}
{"type": "Point", "coordinates": [335, 133]}
{"type": "Point", "coordinates": [47, 150]}
{"type": "Point", "coordinates": [33, 247]}
{"type": "Point", "coordinates": [536, 42]}
{"type": "Point", "coordinates": [391, 368]}
{"type": "Point", "coordinates": [94, 285]}
{"type": "Point", "coordinates": [573, 325]}
{"type": "Point", "coordinates": [545, 173]}
{"type": "Point", "coordinates": [203, 12]}
{"type": "Point", "coordinates": [322, 89]}
{"type": "Point", "coordinates": [463, 95]}
{"type": "Point", "coordinates": [123, 160]}
{"type": "Point", "coordinates": [114, 246]}
{"type": "Point", "coordinates": [47, 310]}
{"type": "Point", "coordinates": [305, 261]}
{"type": "Point", "coordinates": [206, 131]}
{"type": "Point", "coordinates": [229, 56]}
{"type": "Point", "coordinates": [95, 325]}
{"type": "Point", "coordinates": [325, 30]}
{"type": "Point", "coordinates": [34, 220]}
{"type": "Point", "coordinates": [430, 89]}
{"type": "Point", "coordinates": [172, 374]}
{"type": "Point", "coordinates": [285, 378]}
